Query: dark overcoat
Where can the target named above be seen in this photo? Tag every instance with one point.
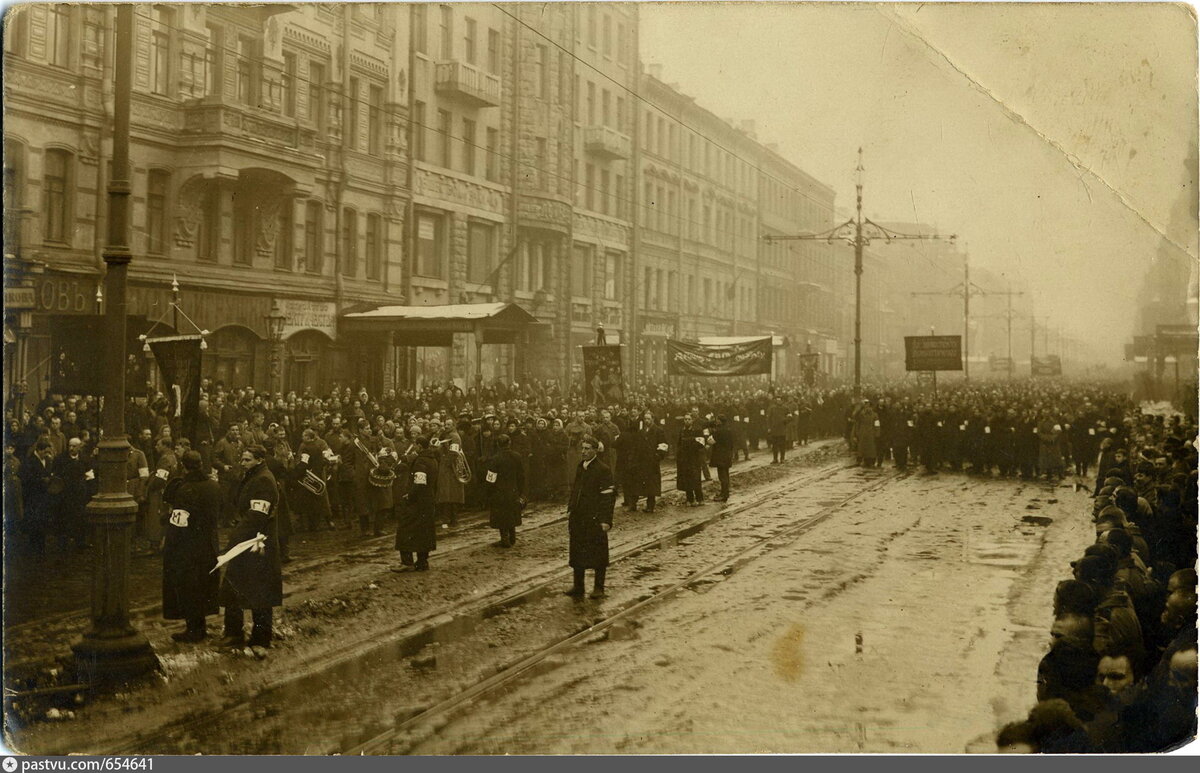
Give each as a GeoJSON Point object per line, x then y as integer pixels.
{"type": "Point", "coordinates": [689, 459]}
{"type": "Point", "coordinates": [590, 505]}
{"type": "Point", "coordinates": [723, 443]}
{"type": "Point", "coordinates": [416, 531]}
{"type": "Point", "coordinates": [190, 547]}
{"type": "Point", "coordinates": [644, 473]}
{"type": "Point", "coordinates": [35, 490]}
{"type": "Point", "coordinates": [505, 482]}
{"type": "Point", "coordinates": [255, 580]}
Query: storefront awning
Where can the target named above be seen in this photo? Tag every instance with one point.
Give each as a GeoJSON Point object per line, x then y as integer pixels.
{"type": "Point", "coordinates": [436, 325]}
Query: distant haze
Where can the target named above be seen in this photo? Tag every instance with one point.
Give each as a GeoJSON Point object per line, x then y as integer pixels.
{"type": "Point", "coordinates": [1055, 140]}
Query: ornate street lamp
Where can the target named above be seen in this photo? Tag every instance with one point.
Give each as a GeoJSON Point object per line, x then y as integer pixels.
{"type": "Point", "coordinates": [276, 320]}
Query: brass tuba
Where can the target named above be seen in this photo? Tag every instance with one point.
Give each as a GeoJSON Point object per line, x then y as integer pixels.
{"type": "Point", "coordinates": [462, 470]}
{"type": "Point", "coordinates": [381, 473]}
{"type": "Point", "coordinates": [313, 482]}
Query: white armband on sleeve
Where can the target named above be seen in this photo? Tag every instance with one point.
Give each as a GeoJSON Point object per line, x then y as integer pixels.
{"type": "Point", "coordinates": [162, 474]}
{"type": "Point", "coordinates": [663, 446]}
{"type": "Point", "coordinates": [420, 479]}
{"type": "Point", "coordinates": [143, 472]}
{"type": "Point", "coordinates": [261, 506]}
{"type": "Point", "coordinates": [304, 458]}
{"type": "Point", "coordinates": [491, 476]}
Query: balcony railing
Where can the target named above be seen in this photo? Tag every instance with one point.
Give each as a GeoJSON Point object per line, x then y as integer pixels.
{"type": "Point", "coordinates": [606, 143]}
{"type": "Point", "coordinates": [467, 83]}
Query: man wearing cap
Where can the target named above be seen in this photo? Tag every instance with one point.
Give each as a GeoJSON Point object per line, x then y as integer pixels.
{"type": "Point", "coordinates": [190, 549]}
{"type": "Point", "coordinates": [504, 483]}
{"type": "Point", "coordinates": [722, 454]}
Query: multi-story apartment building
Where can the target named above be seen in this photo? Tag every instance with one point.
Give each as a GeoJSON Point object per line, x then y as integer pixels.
{"type": "Point", "coordinates": [324, 160]}
{"type": "Point", "coordinates": [269, 167]}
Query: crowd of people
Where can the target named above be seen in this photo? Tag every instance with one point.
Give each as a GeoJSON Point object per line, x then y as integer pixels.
{"type": "Point", "coordinates": [1123, 660]}
{"type": "Point", "coordinates": [1120, 674]}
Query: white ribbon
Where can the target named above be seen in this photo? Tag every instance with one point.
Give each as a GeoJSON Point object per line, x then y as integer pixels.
{"type": "Point", "coordinates": [255, 544]}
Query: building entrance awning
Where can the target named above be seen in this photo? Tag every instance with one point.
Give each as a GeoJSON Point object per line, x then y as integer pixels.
{"type": "Point", "coordinates": [494, 323]}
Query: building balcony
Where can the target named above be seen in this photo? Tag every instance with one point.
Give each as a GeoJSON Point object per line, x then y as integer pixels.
{"type": "Point", "coordinates": [467, 83]}
{"type": "Point", "coordinates": [606, 143]}
{"type": "Point", "coordinates": [221, 119]}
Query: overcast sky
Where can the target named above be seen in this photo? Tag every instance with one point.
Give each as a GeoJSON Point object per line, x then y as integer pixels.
{"type": "Point", "coordinates": [1052, 139]}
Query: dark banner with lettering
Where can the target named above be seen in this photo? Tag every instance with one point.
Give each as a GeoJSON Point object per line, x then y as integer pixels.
{"type": "Point", "coordinates": [604, 382]}
{"type": "Point", "coordinates": [178, 359]}
{"type": "Point", "coordinates": [1050, 365]}
{"type": "Point", "coordinates": [741, 359]}
{"type": "Point", "coordinates": [77, 349]}
{"type": "Point", "coordinates": [933, 353]}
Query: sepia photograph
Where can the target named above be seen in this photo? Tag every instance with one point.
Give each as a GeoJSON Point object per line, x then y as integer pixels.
{"type": "Point", "coordinates": [599, 378]}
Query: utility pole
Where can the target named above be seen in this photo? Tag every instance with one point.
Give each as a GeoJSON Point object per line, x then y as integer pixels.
{"type": "Point", "coordinates": [1008, 315]}
{"type": "Point", "coordinates": [967, 288]}
{"type": "Point", "coordinates": [112, 650]}
{"type": "Point", "coordinates": [858, 232]}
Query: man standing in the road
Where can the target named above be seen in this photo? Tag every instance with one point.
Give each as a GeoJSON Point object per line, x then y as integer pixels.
{"type": "Point", "coordinates": [254, 579]}
{"type": "Point", "coordinates": [504, 483]}
{"type": "Point", "coordinates": [722, 454]}
{"type": "Point", "coordinates": [590, 515]}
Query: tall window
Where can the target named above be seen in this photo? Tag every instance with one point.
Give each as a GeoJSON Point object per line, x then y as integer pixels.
{"type": "Point", "coordinates": [591, 25]}
{"type": "Point", "coordinates": [564, 78]}
{"type": "Point", "coordinates": [589, 187]}
{"type": "Point", "coordinates": [468, 143]}
{"type": "Point", "coordinates": [289, 84]}
{"type": "Point", "coordinates": [607, 36]}
{"type": "Point", "coordinates": [349, 242]}
{"type": "Point", "coordinates": [604, 191]}
{"type": "Point", "coordinates": [244, 236]}
{"type": "Point", "coordinates": [16, 31]}
{"type": "Point", "coordinates": [447, 31]}
{"type": "Point", "coordinates": [620, 41]}
{"type": "Point", "coordinates": [591, 104]}
{"type": "Point", "coordinates": [444, 138]}
{"type": "Point", "coordinates": [375, 127]}
{"type": "Point", "coordinates": [14, 189]}
{"type": "Point", "coordinates": [316, 95]}
{"type": "Point", "coordinates": [160, 51]}
{"type": "Point", "coordinates": [606, 107]}
{"type": "Point", "coordinates": [283, 236]}
{"type": "Point", "coordinates": [493, 159]}
{"type": "Point", "coordinates": [374, 245]}
{"type": "Point", "coordinates": [246, 65]}
{"type": "Point", "coordinates": [58, 35]}
{"type": "Point", "coordinates": [543, 164]}
{"type": "Point", "coordinates": [314, 237]}
{"type": "Point", "coordinates": [493, 52]}
{"type": "Point", "coordinates": [543, 72]}
{"type": "Point", "coordinates": [613, 272]}
{"type": "Point", "coordinates": [480, 252]}
{"type": "Point", "coordinates": [208, 235]}
{"type": "Point", "coordinates": [619, 197]}
{"type": "Point", "coordinates": [581, 270]}
{"type": "Point", "coordinates": [420, 28]}
{"type": "Point", "coordinates": [429, 250]}
{"type": "Point", "coordinates": [156, 212]}
{"type": "Point", "coordinates": [56, 203]}
{"type": "Point", "coordinates": [417, 129]}
{"type": "Point", "coordinates": [470, 42]}
{"type": "Point", "coordinates": [350, 136]}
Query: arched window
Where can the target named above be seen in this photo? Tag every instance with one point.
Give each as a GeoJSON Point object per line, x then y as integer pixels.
{"type": "Point", "coordinates": [229, 357]}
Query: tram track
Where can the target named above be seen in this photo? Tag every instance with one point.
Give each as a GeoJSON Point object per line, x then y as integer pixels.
{"type": "Point", "coordinates": [725, 565]}
{"type": "Point", "coordinates": [451, 621]}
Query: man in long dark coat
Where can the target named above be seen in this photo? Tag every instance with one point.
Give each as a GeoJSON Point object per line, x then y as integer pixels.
{"type": "Point", "coordinates": [690, 448]}
{"type": "Point", "coordinates": [254, 579]}
{"type": "Point", "coordinates": [589, 517]}
{"type": "Point", "coordinates": [190, 549]}
{"type": "Point", "coordinates": [74, 469]}
{"type": "Point", "coordinates": [504, 482]}
{"type": "Point", "coordinates": [723, 452]}
{"type": "Point", "coordinates": [416, 533]}
{"type": "Point", "coordinates": [647, 446]}
{"type": "Point", "coordinates": [35, 490]}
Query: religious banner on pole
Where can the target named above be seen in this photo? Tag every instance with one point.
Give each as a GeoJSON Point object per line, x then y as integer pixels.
{"type": "Point", "coordinates": [178, 359]}
{"type": "Point", "coordinates": [746, 358]}
{"type": "Point", "coordinates": [604, 383]}
{"type": "Point", "coordinates": [808, 367]}
{"type": "Point", "coordinates": [77, 348]}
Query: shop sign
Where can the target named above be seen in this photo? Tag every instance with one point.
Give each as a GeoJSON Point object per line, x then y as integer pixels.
{"type": "Point", "coordinates": [664, 329]}
{"type": "Point", "coordinates": [19, 298]}
{"type": "Point", "coordinates": [308, 315]}
{"type": "Point", "coordinates": [62, 295]}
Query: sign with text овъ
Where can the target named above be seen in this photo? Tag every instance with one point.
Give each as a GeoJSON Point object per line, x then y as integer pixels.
{"type": "Point", "coordinates": [933, 353]}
